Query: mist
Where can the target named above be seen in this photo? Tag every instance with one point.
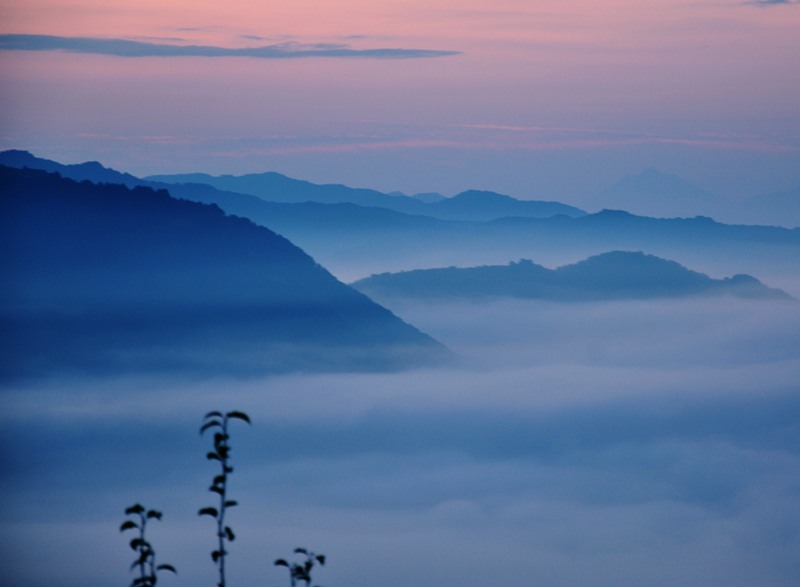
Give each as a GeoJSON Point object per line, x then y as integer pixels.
{"type": "Point", "coordinates": [590, 443]}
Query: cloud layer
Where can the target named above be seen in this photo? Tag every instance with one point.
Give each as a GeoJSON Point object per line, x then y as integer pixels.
{"type": "Point", "coordinates": [589, 444]}
{"type": "Point", "coordinates": [772, 2]}
{"type": "Point", "coordinates": [126, 48]}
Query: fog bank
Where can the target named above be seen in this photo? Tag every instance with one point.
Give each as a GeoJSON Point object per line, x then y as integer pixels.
{"type": "Point", "coordinates": [599, 444]}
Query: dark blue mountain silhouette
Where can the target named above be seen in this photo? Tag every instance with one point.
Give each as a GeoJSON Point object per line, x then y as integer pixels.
{"type": "Point", "coordinates": [89, 171]}
{"type": "Point", "coordinates": [483, 205]}
{"type": "Point", "coordinates": [614, 275]}
{"type": "Point", "coordinates": [357, 240]}
{"type": "Point", "coordinates": [470, 205]}
{"type": "Point", "coordinates": [105, 277]}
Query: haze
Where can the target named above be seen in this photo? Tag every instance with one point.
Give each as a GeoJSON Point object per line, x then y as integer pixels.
{"type": "Point", "coordinates": [546, 100]}
{"type": "Point", "coordinates": [603, 444]}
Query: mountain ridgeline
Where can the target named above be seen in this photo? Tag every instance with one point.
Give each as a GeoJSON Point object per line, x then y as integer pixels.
{"type": "Point", "coordinates": [355, 232]}
{"type": "Point", "coordinates": [470, 205]}
{"type": "Point", "coordinates": [610, 276]}
{"type": "Point", "coordinates": [103, 278]}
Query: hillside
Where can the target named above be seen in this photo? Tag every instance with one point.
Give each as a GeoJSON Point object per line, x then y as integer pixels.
{"type": "Point", "coordinates": [105, 278]}
{"type": "Point", "coordinates": [614, 275]}
{"type": "Point", "coordinates": [353, 240]}
{"type": "Point", "coordinates": [469, 205]}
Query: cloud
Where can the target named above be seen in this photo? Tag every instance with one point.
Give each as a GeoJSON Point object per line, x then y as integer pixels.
{"type": "Point", "coordinates": [127, 48]}
{"type": "Point", "coordinates": [771, 2]}
{"type": "Point", "coordinates": [590, 444]}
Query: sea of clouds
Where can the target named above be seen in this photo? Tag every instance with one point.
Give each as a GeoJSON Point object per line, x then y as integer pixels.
{"type": "Point", "coordinates": [599, 444]}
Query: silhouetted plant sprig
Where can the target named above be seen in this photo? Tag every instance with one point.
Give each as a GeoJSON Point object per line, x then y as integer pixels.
{"type": "Point", "coordinates": [218, 422]}
{"type": "Point", "coordinates": [301, 571]}
{"type": "Point", "coordinates": [146, 555]}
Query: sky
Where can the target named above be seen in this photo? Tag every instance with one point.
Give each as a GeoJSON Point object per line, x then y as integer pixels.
{"type": "Point", "coordinates": [602, 444]}
{"type": "Point", "coordinates": [546, 100]}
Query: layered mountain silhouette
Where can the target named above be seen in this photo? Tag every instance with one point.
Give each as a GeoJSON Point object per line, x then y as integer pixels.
{"type": "Point", "coordinates": [354, 240]}
{"type": "Point", "coordinates": [469, 205]}
{"type": "Point", "coordinates": [103, 278]}
{"type": "Point", "coordinates": [610, 276]}
{"type": "Point", "coordinates": [92, 171]}
{"type": "Point", "coordinates": [658, 194]}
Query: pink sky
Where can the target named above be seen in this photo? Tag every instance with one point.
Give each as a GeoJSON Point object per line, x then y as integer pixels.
{"type": "Point", "coordinates": [545, 98]}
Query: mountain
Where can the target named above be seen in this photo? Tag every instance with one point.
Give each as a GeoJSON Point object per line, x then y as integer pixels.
{"type": "Point", "coordinates": [105, 278]}
{"type": "Point", "coordinates": [427, 197]}
{"type": "Point", "coordinates": [353, 241]}
{"type": "Point", "coordinates": [482, 206]}
{"type": "Point", "coordinates": [614, 275]}
{"type": "Point", "coordinates": [469, 205]}
{"type": "Point", "coordinates": [275, 187]}
{"type": "Point", "coordinates": [661, 195]}
{"type": "Point", "coordinates": [89, 171]}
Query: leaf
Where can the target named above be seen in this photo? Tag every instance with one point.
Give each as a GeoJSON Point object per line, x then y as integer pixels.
{"type": "Point", "coordinates": [214, 414]}
{"type": "Point", "coordinates": [239, 416]}
{"type": "Point", "coordinates": [301, 551]}
{"type": "Point", "coordinates": [219, 480]}
{"type": "Point", "coordinates": [210, 424]}
{"type": "Point", "coordinates": [216, 489]}
{"type": "Point", "coordinates": [229, 533]}
{"type": "Point", "coordinates": [154, 514]}
{"type": "Point", "coordinates": [231, 503]}
{"type": "Point", "coordinates": [212, 456]}
{"type": "Point", "coordinates": [321, 559]}
{"type": "Point", "coordinates": [281, 563]}
{"type": "Point", "coordinates": [134, 509]}
{"type": "Point", "coordinates": [208, 512]}
{"type": "Point", "coordinates": [215, 555]}
{"type": "Point", "coordinates": [136, 543]}
{"type": "Point", "coordinates": [128, 525]}
{"type": "Point", "coordinates": [166, 567]}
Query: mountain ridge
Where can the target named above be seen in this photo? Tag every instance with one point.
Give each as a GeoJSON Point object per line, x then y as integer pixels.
{"type": "Point", "coordinates": [468, 205]}
{"type": "Point", "coordinates": [354, 241]}
{"type": "Point", "coordinates": [95, 273]}
{"type": "Point", "coordinates": [608, 276]}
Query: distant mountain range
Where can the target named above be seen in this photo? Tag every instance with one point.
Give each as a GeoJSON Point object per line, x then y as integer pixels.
{"type": "Point", "coordinates": [660, 195]}
{"type": "Point", "coordinates": [103, 277]}
{"type": "Point", "coordinates": [610, 276]}
{"type": "Point", "coordinates": [354, 240]}
{"type": "Point", "coordinates": [469, 205]}
{"type": "Point", "coordinates": [91, 171]}
{"type": "Point", "coordinates": [663, 195]}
